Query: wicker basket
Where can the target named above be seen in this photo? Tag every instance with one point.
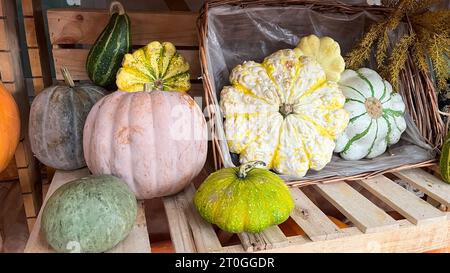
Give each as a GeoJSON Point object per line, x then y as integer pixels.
{"type": "Point", "coordinates": [416, 88]}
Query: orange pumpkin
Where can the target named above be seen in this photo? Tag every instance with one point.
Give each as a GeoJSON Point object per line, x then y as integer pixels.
{"type": "Point", "coordinates": [9, 127]}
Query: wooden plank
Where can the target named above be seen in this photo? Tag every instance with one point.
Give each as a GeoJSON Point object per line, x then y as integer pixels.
{"type": "Point", "coordinates": [137, 241]}
{"type": "Point", "coordinates": [28, 204]}
{"type": "Point", "coordinates": [407, 238]}
{"type": "Point", "coordinates": [75, 61]}
{"type": "Point", "coordinates": [1, 9]}
{"type": "Point", "coordinates": [177, 5]}
{"type": "Point", "coordinates": [42, 42]}
{"type": "Point", "coordinates": [427, 183]}
{"type": "Point", "coordinates": [271, 238]}
{"type": "Point", "coordinates": [6, 69]}
{"type": "Point", "coordinates": [35, 62]}
{"type": "Point", "coordinates": [21, 156]}
{"type": "Point", "coordinates": [27, 7]}
{"type": "Point", "coordinates": [413, 208]}
{"type": "Point", "coordinates": [312, 220]}
{"type": "Point", "coordinates": [358, 209]}
{"type": "Point", "coordinates": [180, 232]}
{"type": "Point", "coordinates": [81, 26]}
{"type": "Point", "coordinates": [30, 32]}
{"type": "Point", "coordinates": [3, 37]}
{"type": "Point", "coordinates": [203, 233]}
{"type": "Point", "coordinates": [31, 222]}
{"type": "Point", "coordinates": [38, 85]}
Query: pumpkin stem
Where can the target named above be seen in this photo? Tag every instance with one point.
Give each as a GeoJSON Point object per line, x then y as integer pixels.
{"type": "Point", "coordinates": [116, 7]}
{"type": "Point", "coordinates": [244, 169]}
{"type": "Point", "coordinates": [67, 78]}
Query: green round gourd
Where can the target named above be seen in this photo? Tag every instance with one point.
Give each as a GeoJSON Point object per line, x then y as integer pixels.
{"type": "Point", "coordinates": [444, 160]}
{"type": "Point", "coordinates": [89, 215]}
{"type": "Point", "coordinates": [245, 199]}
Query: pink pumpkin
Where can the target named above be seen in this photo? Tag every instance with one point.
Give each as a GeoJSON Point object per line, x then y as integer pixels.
{"type": "Point", "coordinates": [155, 141]}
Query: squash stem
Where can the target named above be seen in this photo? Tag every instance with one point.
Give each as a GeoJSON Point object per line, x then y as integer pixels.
{"type": "Point", "coordinates": [67, 77]}
{"type": "Point", "coordinates": [245, 168]}
{"type": "Point", "coordinates": [116, 7]}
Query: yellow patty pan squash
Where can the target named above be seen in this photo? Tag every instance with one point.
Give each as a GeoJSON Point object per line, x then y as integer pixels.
{"type": "Point", "coordinates": [283, 112]}
{"type": "Point", "coordinates": [244, 199]}
{"type": "Point", "coordinates": [158, 64]}
{"type": "Point", "coordinates": [326, 52]}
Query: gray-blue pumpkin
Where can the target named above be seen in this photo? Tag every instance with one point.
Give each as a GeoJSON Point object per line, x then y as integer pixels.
{"type": "Point", "coordinates": [89, 215]}
{"type": "Point", "coordinates": [57, 118]}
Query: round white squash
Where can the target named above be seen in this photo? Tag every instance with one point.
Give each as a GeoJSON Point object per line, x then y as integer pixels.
{"type": "Point", "coordinates": [376, 115]}
{"type": "Point", "coordinates": [283, 112]}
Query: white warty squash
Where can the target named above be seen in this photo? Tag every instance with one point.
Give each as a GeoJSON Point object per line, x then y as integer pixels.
{"type": "Point", "coordinates": [376, 115]}
{"type": "Point", "coordinates": [283, 112]}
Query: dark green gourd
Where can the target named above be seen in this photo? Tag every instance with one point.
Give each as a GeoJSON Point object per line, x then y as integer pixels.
{"type": "Point", "coordinates": [106, 55]}
{"type": "Point", "coordinates": [89, 215]}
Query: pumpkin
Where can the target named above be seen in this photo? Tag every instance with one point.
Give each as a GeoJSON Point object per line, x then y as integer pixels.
{"type": "Point", "coordinates": [155, 141]}
{"type": "Point", "coordinates": [92, 214]}
{"type": "Point", "coordinates": [106, 55]}
{"type": "Point", "coordinates": [245, 199]}
{"type": "Point", "coordinates": [57, 118]}
{"type": "Point", "coordinates": [157, 64]}
{"type": "Point", "coordinates": [376, 115]}
{"type": "Point", "coordinates": [9, 127]}
{"type": "Point", "coordinates": [444, 160]}
{"type": "Point", "coordinates": [283, 112]}
{"type": "Point", "coordinates": [326, 52]}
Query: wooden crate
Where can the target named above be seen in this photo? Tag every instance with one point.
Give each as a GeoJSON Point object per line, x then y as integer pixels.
{"type": "Point", "coordinates": [11, 74]}
{"type": "Point", "coordinates": [424, 227]}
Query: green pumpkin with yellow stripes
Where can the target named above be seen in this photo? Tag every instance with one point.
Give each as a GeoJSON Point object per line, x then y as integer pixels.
{"type": "Point", "coordinates": [106, 55]}
{"type": "Point", "coordinates": [158, 66]}
{"type": "Point", "coordinates": [444, 162]}
{"type": "Point", "coordinates": [376, 115]}
{"type": "Point", "coordinates": [244, 199]}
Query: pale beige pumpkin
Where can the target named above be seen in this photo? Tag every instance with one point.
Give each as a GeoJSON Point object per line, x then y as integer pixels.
{"type": "Point", "coordinates": [155, 141]}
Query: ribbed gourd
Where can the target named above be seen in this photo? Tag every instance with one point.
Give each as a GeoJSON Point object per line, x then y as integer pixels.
{"type": "Point", "coordinates": [244, 199]}
{"type": "Point", "coordinates": [106, 55]}
{"type": "Point", "coordinates": [157, 64]}
{"type": "Point", "coordinates": [283, 112]}
{"type": "Point", "coordinates": [376, 115]}
{"type": "Point", "coordinates": [57, 118]}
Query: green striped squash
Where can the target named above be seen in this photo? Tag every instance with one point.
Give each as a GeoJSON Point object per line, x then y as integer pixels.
{"type": "Point", "coordinates": [106, 55]}
{"type": "Point", "coordinates": [376, 115]}
{"type": "Point", "coordinates": [444, 162]}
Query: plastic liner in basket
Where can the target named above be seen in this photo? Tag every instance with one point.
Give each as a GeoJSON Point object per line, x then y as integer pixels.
{"type": "Point", "coordinates": [236, 35]}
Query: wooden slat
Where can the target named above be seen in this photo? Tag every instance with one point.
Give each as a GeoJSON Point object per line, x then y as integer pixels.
{"type": "Point", "coordinates": [27, 7]}
{"type": "Point", "coordinates": [137, 241]}
{"type": "Point", "coordinates": [75, 61]}
{"type": "Point", "coordinates": [427, 183]}
{"type": "Point", "coordinates": [38, 84]}
{"type": "Point", "coordinates": [180, 232]}
{"type": "Point", "coordinates": [413, 208]}
{"type": "Point", "coordinates": [359, 210]}
{"type": "Point", "coordinates": [3, 38]}
{"type": "Point", "coordinates": [312, 220]}
{"type": "Point", "coordinates": [6, 69]}
{"type": "Point", "coordinates": [205, 238]}
{"type": "Point", "coordinates": [271, 238]}
{"type": "Point", "coordinates": [77, 26]}
{"type": "Point", "coordinates": [10, 173]}
{"type": "Point", "coordinates": [35, 62]}
{"type": "Point", "coordinates": [407, 238]}
{"type": "Point", "coordinates": [21, 155]}
{"type": "Point", "coordinates": [30, 32]}
{"type": "Point", "coordinates": [1, 9]}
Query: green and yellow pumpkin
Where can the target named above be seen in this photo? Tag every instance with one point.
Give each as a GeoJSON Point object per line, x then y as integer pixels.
{"type": "Point", "coordinates": [244, 199]}
{"type": "Point", "coordinates": [158, 64]}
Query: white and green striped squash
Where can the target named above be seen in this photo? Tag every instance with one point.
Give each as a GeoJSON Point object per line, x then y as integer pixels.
{"type": "Point", "coordinates": [376, 115]}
